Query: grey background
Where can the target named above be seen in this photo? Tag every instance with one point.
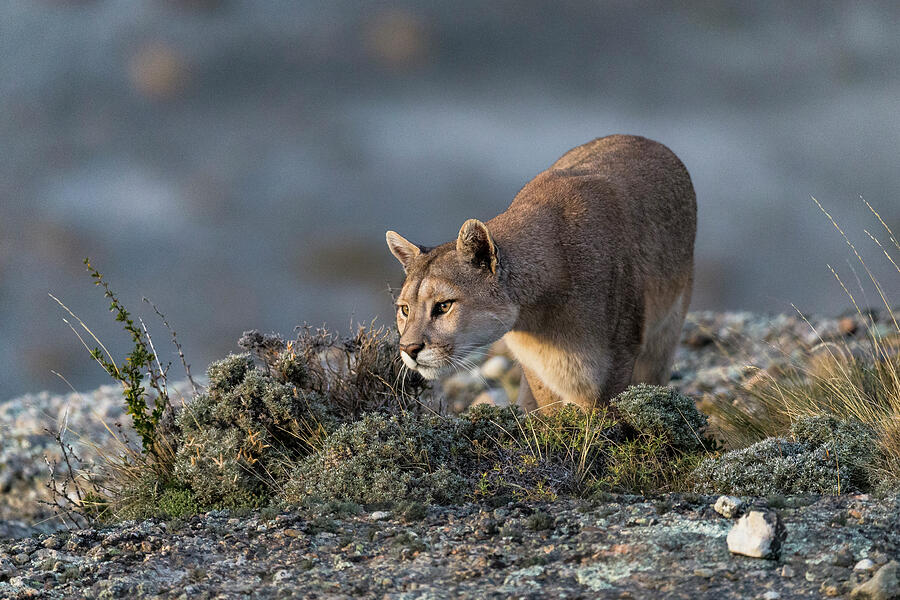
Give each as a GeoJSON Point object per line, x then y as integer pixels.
{"type": "Point", "coordinates": [239, 162]}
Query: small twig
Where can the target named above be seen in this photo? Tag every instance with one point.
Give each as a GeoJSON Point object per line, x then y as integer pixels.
{"type": "Point", "coordinates": [184, 363]}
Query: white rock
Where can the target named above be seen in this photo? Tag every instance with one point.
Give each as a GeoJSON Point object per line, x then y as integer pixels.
{"type": "Point", "coordinates": [380, 515]}
{"type": "Point", "coordinates": [464, 383]}
{"type": "Point", "coordinates": [495, 367]}
{"type": "Point", "coordinates": [728, 506]}
{"type": "Point", "coordinates": [771, 595]}
{"type": "Point", "coordinates": [865, 564]}
{"type": "Point", "coordinates": [757, 534]}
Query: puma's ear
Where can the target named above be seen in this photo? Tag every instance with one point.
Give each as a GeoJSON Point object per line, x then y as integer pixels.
{"type": "Point", "coordinates": [475, 246]}
{"type": "Point", "coordinates": [403, 249]}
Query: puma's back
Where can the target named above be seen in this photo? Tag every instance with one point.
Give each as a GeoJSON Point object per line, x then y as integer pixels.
{"type": "Point", "coordinates": [588, 274]}
{"type": "Point", "coordinates": [655, 192]}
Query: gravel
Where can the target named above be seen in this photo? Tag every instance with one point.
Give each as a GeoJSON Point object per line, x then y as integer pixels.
{"type": "Point", "coordinates": [621, 548]}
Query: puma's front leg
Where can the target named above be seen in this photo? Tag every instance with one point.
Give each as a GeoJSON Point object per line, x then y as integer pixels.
{"type": "Point", "coordinates": [526, 399]}
{"type": "Point", "coordinates": [542, 396]}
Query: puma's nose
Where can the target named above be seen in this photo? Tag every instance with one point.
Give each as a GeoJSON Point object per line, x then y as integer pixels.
{"type": "Point", "coordinates": [412, 349]}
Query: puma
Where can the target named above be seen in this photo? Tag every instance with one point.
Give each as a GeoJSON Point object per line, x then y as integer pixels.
{"type": "Point", "coordinates": [587, 277]}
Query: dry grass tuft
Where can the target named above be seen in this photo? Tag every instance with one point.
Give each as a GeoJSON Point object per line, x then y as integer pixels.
{"type": "Point", "coordinates": [855, 379]}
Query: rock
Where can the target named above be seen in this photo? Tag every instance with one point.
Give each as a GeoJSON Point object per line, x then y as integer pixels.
{"type": "Point", "coordinates": [788, 571]}
{"type": "Point", "coordinates": [771, 595]}
{"type": "Point", "coordinates": [697, 339]}
{"type": "Point", "coordinates": [830, 588]}
{"type": "Point", "coordinates": [847, 326]}
{"type": "Point", "coordinates": [493, 397]}
{"type": "Point", "coordinates": [729, 506]}
{"type": "Point", "coordinates": [865, 564]}
{"type": "Point", "coordinates": [495, 367]}
{"type": "Point", "coordinates": [7, 568]}
{"type": "Point", "coordinates": [884, 585]}
{"type": "Point", "coordinates": [843, 558]}
{"type": "Point", "coordinates": [380, 515]}
{"type": "Point", "coordinates": [757, 534]}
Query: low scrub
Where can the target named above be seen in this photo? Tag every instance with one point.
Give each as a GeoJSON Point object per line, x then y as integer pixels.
{"type": "Point", "coordinates": [267, 432]}
{"type": "Point", "coordinates": [256, 438]}
{"type": "Point", "coordinates": [823, 455]}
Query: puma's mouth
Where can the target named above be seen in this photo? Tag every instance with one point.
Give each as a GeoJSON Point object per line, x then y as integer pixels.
{"type": "Point", "coordinates": [427, 368]}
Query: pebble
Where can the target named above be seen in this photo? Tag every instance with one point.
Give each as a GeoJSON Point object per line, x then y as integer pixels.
{"type": "Point", "coordinates": [788, 571]}
{"type": "Point", "coordinates": [728, 506]}
{"type": "Point", "coordinates": [757, 534]}
{"type": "Point", "coordinates": [495, 367]}
{"type": "Point", "coordinates": [493, 397]}
{"type": "Point", "coordinates": [865, 564]}
{"type": "Point", "coordinates": [380, 515]}
{"type": "Point", "coordinates": [7, 568]}
{"type": "Point", "coordinates": [771, 595]}
{"type": "Point", "coordinates": [843, 558]}
{"type": "Point", "coordinates": [884, 585]}
{"type": "Point", "coordinates": [830, 588]}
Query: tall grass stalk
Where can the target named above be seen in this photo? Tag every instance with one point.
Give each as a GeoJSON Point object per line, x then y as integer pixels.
{"type": "Point", "coordinates": [846, 378]}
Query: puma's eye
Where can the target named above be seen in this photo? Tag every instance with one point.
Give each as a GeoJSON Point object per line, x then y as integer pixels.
{"type": "Point", "coordinates": [443, 307]}
{"type": "Point", "coordinates": [404, 310]}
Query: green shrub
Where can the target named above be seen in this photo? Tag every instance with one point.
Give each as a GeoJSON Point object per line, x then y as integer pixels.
{"type": "Point", "coordinates": [665, 413]}
{"type": "Point", "coordinates": [385, 458]}
{"type": "Point", "coordinates": [177, 502]}
{"type": "Point", "coordinates": [544, 454]}
{"type": "Point", "coordinates": [488, 452]}
{"type": "Point", "coordinates": [357, 374]}
{"type": "Point", "coordinates": [130, 372]}
{"type": "Point", "coordinates": [241, 436]}
{"type": "Point", "coordinates": [644, 464]}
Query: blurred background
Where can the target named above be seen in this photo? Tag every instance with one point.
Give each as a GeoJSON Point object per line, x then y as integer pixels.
{"type": "Point", "coordinates": [238, 162]}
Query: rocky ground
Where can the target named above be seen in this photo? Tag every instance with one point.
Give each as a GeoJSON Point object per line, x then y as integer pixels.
{"type": "Point", "coordinates": [627, 547]}
{"type": "Point", "coordinates": [620, 547]}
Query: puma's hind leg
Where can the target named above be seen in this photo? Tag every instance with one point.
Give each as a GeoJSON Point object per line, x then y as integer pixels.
{"type": "Point", "coordinates": [654, 362]}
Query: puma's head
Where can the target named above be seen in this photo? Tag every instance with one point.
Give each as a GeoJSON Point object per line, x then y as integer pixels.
{"type": "Point", "coordinates": [452, 302]}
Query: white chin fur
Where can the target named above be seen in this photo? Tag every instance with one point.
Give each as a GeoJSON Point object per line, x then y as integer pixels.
{"type": "Point", "coordinates": [430, 372]}
{"type": "Point", "coordinates": [408, 360]}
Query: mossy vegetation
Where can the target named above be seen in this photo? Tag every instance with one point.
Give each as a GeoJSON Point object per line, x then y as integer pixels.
{"type": "Point", "coordinates": [664, 414]}
{"type": "Point", "coordinates": [264, 433]}
{"type": "Point", "coordinates": [238, 439]}
{"type": "Point", "coordinates": [267, 432]}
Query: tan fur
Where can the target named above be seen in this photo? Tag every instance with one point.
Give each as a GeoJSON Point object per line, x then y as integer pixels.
{"type": "Point", "coordinates": [587, 276]}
